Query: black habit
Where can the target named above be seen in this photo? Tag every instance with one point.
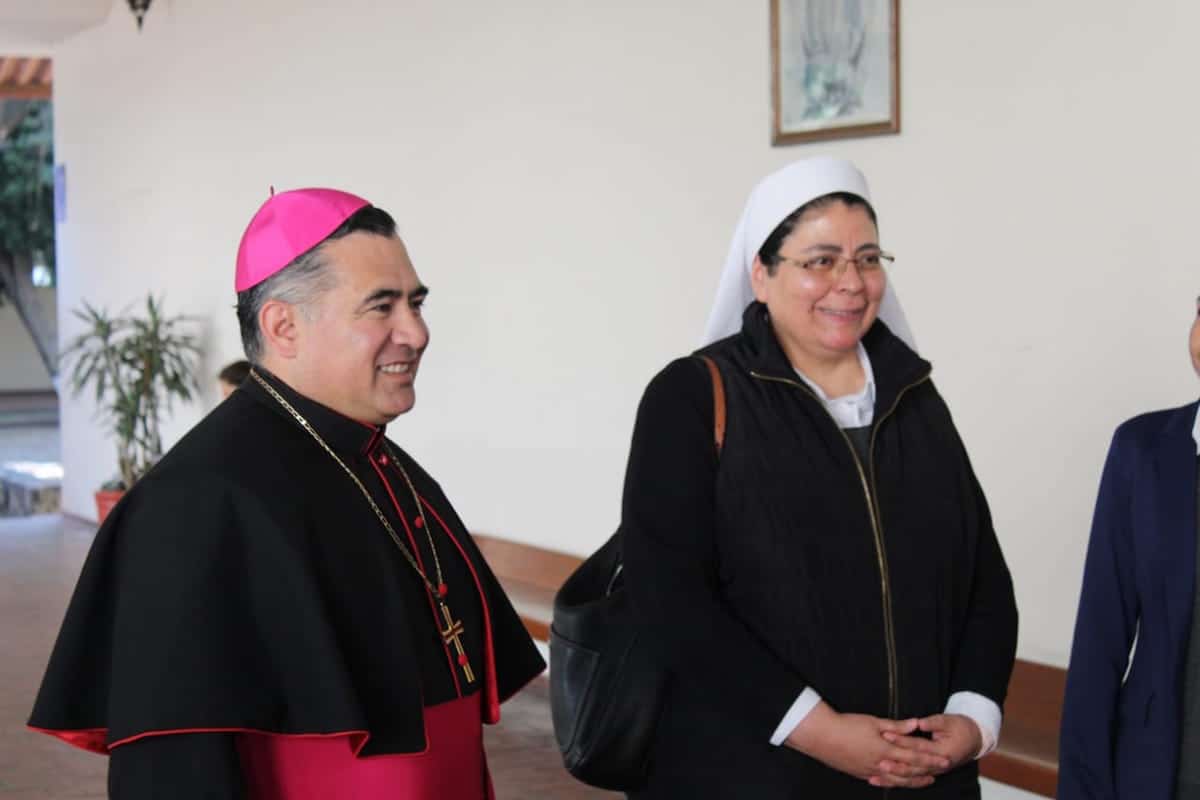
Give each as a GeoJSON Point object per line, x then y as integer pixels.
{"type": "Point", "coordinates": [787, 562]}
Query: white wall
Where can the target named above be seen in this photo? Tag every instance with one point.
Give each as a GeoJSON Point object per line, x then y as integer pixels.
{"type": "Point", "coordinates": [1000, 791]}
{"type": "Point", "coordinates": [21, 368]}
{"type": "Point", "coordinates": [32, 28]}
{"type": "Point", "coordinates": [567, 174]}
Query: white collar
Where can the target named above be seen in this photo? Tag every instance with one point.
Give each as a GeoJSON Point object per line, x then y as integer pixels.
{"type": "Point", "coordinates": [852, 410]}
{"type": "Point", "coordinates": [1196, 430]}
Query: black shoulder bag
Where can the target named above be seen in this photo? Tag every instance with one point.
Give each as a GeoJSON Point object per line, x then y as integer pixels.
{"type": "Point", "coordinates": [606, 692]}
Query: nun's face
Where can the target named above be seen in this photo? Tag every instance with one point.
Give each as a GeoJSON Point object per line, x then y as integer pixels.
{"type": "Point", "coordinates": [1194, 340]}
{"type": "Point", "coordinates": [817, 314]}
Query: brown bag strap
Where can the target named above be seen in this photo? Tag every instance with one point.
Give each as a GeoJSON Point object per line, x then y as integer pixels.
{"type": "Point", "coordinates": [718, 403]}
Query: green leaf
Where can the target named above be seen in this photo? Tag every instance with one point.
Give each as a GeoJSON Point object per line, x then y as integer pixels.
{"type": "Point", "coordinates": [136, 364]}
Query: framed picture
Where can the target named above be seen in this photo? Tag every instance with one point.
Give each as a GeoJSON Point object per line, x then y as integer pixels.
{"type": "Point", "coordinates": [835, 68]}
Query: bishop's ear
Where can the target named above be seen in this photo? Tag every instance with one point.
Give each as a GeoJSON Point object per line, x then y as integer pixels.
{"type": "Point", "coordinates": [279, 328]}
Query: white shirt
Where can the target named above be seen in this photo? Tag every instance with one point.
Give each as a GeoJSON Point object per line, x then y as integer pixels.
{"type": "Point", "coordinates": [856, 411]}
{"type": "Point", "coordinates": [851, 410]}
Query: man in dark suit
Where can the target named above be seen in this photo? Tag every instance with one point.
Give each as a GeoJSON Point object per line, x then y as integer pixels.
{"type": "Point", "coordinates": [1131, 726]}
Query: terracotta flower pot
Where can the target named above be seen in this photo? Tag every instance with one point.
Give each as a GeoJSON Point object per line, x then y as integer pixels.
{"type": "Point", "coordinates": [105, 500]}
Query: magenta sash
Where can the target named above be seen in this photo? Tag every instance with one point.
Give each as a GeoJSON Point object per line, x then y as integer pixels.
{"type": "Point", "coordinates": [453, 766]}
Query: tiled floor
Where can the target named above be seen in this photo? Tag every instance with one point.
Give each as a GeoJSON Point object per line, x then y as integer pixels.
{"type": "Point", "coordinates": [40, 558]}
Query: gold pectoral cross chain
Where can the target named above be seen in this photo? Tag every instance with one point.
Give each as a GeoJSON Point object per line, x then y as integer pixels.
{"type": "Point", "coordinates": [453, 635]}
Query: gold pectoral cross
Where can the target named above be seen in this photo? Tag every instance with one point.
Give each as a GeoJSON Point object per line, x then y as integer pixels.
{"type": "Point", "coordinates": [453, 635]}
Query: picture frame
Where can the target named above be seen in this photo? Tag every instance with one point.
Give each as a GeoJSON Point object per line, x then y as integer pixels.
{"type": "Point", "coordinates": [835, 69]}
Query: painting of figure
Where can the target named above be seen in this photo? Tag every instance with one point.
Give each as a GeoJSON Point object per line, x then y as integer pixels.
{"type": "Point", "coordinates": [835, 68]}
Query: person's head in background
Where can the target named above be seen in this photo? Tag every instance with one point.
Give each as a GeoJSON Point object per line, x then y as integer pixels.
{"type": "Point", "coordinates": [231, 377]}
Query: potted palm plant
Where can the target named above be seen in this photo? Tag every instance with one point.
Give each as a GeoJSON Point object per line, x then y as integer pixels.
{"type": "Point", "coordinates": [137, 365]}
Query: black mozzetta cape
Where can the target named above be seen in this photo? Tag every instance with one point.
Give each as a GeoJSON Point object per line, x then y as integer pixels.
{"type": "Point", "coordinates": [246, 585]}
{"type": "Point", "coordinates": [789, 562]}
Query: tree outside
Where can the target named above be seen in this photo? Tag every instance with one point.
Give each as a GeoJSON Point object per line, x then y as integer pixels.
{"type": "Point", "coordinates": [27, 216]}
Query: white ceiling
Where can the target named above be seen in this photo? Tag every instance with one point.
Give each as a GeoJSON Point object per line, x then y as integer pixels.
{"type": "Point", "coordinates": [34, 25]}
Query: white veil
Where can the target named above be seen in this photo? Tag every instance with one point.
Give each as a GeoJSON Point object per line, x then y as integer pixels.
{"type": "Point", "coordinates": [772, 200]}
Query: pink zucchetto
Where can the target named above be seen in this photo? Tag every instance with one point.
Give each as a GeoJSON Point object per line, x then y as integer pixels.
{"type": "Point", "coordinates": [287, 226]}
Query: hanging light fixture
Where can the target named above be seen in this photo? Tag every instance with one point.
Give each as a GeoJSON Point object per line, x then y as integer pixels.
{"type": "Point", "coordinates": [139, 9]}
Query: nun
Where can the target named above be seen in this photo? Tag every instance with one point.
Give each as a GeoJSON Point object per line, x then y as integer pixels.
{"type": "Point", "coordinates": [827, 591]}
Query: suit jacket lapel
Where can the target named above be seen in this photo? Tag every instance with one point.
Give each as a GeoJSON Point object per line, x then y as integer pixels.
{"type": "Point", "coordinates": [1175, 479]}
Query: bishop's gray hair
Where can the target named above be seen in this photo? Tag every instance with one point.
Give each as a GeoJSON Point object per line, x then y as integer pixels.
{"type": "Point", "coordinates": [304, 280]}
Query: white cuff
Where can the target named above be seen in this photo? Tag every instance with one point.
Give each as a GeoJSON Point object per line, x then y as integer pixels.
{"type": "Point", "coordinates": [800, 709]}
{"type": "Point", "coordinates": [984, 712]}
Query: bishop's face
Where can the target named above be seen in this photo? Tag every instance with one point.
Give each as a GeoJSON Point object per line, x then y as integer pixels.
{"type": "Point", "coordinates": [361, 342]}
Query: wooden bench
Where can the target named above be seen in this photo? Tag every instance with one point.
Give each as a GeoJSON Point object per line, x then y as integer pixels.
{"type": "Point", "coordinates": [1028, 753]}
{"type": "Point", "coordinates": [530, 576]}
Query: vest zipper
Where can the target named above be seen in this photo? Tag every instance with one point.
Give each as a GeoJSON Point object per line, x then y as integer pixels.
{"type": "Point", "coordinates": [871, 494]}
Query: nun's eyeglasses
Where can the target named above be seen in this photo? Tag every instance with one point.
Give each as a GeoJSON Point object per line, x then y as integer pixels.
{"type": "Point", "coordinates": [831, 265]}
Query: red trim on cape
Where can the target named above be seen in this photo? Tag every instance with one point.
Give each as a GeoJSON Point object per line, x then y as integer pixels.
{"type": "Point", "coordinates": [376, 435]}
{"type": "Point", "coordinates": [95, 740]}
{"type": "Point", "coordinates": [91, 739]}
{"type": "Point", "coordinates": [421, 563]}
{"type": "Point", "coordinates": [491, 711]}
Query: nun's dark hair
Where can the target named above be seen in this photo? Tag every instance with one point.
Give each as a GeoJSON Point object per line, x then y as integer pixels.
{"type": "Point", "coordinates": [304, 279]}
{"type": "Point", "coordinates": [768, 254]}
